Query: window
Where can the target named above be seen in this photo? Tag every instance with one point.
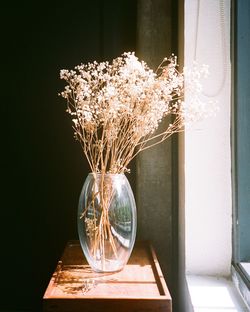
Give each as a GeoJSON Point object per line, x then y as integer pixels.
{"type": "Point", "coordinates": [208, 200]}
{"type": "Point", "coordinates": [241, 146]}
{"type": "Point", "coordinates": [217, 33]}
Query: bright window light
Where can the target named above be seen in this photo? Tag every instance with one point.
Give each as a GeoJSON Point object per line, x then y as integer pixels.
{"type": "Point", "coordinates": [212, 294]}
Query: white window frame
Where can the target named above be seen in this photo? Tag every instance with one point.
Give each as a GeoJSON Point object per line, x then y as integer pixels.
{"type": "Point", "coordinates": [208, 190]}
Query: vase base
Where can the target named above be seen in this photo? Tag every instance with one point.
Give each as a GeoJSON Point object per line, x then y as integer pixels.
{"type": "Point", "coordinates": [109, 266]}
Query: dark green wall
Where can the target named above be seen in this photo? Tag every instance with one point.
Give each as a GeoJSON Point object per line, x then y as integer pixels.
{"type": "Point", "coordinates": [157, 185]}
{"type": "Point", "coordinates": [43, 167]}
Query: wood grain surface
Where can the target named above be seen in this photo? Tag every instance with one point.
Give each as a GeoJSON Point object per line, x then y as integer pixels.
{"type": "Point", "coordinates": [140, 286]}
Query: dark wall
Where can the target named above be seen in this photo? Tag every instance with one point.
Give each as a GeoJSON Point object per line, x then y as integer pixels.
{"type": "Point", "coordinates": [43, 167]}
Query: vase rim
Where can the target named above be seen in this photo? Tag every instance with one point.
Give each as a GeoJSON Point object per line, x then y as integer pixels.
{"type": "Point", "coordinates": [106, 174]}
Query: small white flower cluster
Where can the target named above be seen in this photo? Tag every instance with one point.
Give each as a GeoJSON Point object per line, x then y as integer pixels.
{"type": "Point", "coordinates": [102, 92]}
{"type": "Point", "coordinates": [117, 106]}
{"type": "Point", "coordinates": [195, 109]}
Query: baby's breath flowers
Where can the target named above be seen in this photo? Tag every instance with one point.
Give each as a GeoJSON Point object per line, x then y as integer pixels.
{"type": "Point", "coordinates": [116, 107]}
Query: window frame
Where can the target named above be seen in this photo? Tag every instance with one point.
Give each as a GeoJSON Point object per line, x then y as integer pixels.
{"type": "Point", "coordinates": [240, 147]}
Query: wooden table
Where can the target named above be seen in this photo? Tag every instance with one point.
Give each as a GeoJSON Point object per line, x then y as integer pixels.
{"type": "Point", "coordinates": [140, 286]}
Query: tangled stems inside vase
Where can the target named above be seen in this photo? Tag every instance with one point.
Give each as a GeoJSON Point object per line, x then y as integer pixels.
{"type": "Point", "coordinates": [100, 234]}
{"type": "Point", "coordinates": [107, 221]}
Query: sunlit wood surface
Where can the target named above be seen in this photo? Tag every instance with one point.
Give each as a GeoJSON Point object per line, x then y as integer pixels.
{"type": "Point", "coordinates": [140, 286]}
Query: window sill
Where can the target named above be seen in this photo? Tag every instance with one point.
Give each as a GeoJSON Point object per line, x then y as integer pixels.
{"type": "Point", "coordinates": [214, 294]}
{"type": "Point", "coordinates": [240, 276]}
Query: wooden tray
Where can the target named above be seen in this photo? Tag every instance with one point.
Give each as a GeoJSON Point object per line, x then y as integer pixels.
{"type": "Point", "coordinates": [140, 286]}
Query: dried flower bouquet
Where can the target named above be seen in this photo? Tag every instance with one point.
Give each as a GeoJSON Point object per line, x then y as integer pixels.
{"type": "Point", "coordinates": [116, 108]}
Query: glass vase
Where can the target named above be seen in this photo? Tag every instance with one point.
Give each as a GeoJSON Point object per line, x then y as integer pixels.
{"type": "Point", "coordinates": [107, 221]}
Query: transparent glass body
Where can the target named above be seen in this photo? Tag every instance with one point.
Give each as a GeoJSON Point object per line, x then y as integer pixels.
{"type": "Point", "coordinates": [107, 221]}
